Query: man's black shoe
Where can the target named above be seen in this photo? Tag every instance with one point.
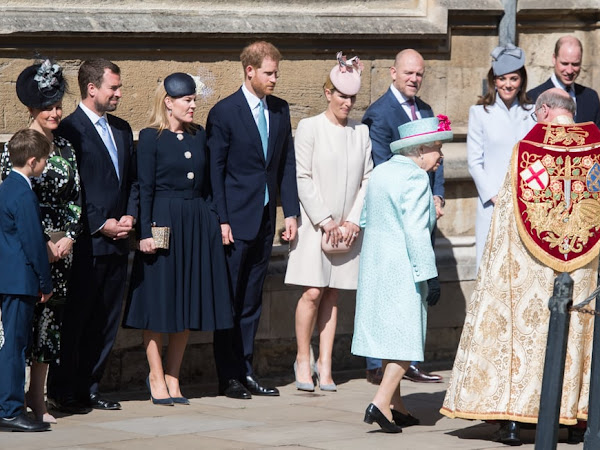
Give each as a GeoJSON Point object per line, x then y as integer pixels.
{"type": "Point", "coordinates": [509, 433]}
{"type": "Point", "coordinates": [414, 373]}
{"type": "Point", "coordinates": [68, 405]}
{"type": "Point", "coordinates": [22, 422]}
{"type": "Point", "coordinates": [576, 435]}
{"type": "Point", "coordinates": [256, 388]}
{"type": "Point", "coordinates": [235, 389]}
{"type": "Point", "coordinates": [98, 402]}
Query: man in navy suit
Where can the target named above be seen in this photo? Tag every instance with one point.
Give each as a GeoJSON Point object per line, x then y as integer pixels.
{"type": "Point", "coordinates": [24, 272]}
{"type": "Point", "coordinates": [397, 106]}
{"type": "Point", "coordinates": [251, 159]}
{"type": "Point", "coordinates": [106, 160]}
{"type": "Point", "coordinates": [567, 65]}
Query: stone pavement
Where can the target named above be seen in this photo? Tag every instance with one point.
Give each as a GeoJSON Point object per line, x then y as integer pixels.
{"type": "Point", "coordinates": [295, 420]}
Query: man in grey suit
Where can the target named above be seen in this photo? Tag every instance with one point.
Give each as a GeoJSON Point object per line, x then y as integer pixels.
{"type": "Point", "coordinates": [397, 106]}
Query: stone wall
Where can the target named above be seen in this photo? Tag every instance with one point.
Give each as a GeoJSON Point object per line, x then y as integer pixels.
{"type": "Point", "coordinates": [150, 39]}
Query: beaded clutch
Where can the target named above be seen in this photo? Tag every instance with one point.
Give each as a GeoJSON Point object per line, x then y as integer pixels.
{"type": "Point", "coordinates": [161, 236]}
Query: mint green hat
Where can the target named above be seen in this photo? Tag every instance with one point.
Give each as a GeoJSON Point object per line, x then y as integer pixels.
{"type": "Point", "coordinates": [422, 131]}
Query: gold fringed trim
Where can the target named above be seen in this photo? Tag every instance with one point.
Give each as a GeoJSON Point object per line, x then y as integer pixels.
{"type": "Point", "coordinates": [453, 414]}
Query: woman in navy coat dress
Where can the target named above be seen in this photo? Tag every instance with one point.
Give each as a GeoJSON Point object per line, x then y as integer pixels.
{"type": "Point", "coordinates": [183, 287]}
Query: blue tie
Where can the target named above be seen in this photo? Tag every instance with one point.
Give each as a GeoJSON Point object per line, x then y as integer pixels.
{"type": "Point", "coordinates": [110, 145]}
{"type": "Point", "coordinates": [264, 138]}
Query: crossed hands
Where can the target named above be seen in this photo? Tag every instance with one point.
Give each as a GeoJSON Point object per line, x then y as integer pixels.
{"type": "Point", "coordinates": [59, 250]}
{"type": "Point", "coordinates": [117, 229]}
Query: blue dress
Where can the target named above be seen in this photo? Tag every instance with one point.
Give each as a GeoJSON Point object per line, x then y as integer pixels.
{"type": "Point", "coordinates": [396, 260]}
{"type": "Point", "coordinates": [186, 286]}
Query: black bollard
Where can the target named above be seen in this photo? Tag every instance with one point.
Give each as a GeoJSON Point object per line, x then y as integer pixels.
{"type": "Point", "coordinates": [592, 434]}
{"type": "Point", "coordinates": [546, 436]}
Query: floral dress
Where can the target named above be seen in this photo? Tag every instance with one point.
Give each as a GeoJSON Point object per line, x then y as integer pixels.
{"type": "Point", "coordinates": [59, 194]}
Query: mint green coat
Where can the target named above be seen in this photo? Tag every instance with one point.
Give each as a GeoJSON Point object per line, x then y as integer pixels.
{"type": "Point", "coordinates": [397, 259]}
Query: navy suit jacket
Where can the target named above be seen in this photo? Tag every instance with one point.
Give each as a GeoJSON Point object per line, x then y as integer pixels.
{"type": "Point", "coordinates": [24, 266]}
{"type": "Point", "coordinates": [588, 105]}
{"type": "Point", "coordinates": [383, 118]}
{"type": "Point", "coordinates": [104, 195]}
{"type": "Point", "coordinates": [238, 168]}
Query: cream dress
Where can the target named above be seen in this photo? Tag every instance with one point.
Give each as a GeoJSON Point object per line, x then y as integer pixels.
{"type": "Point", "coordinates": [333, 165]}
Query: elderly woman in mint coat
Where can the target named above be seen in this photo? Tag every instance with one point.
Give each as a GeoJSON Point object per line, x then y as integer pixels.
{"type": "Point", "coordinates": [501, 118]}
{"type": "Point", "coordinates": [397, 259]}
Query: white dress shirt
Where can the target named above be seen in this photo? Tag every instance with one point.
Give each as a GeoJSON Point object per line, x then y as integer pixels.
{"type": "Point", "coordinates": [253, 102]}
{"type": "Point", "coordinates": [402, 100]}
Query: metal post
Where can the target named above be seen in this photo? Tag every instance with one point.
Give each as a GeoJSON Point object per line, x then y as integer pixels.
{"type": "Point", "coordinates": [592, 434]}
{"type": "Point", "coordinates": [546, 436]}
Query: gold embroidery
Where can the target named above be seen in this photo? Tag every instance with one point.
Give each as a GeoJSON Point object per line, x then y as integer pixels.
{"type": "Point", "coordinates": [564, 135]}
{"type": "Point", "coordinates": [565, 211]}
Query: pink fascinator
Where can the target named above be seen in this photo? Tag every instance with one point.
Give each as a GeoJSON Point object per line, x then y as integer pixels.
{"type": "Point", "coordinates": [345, 75]}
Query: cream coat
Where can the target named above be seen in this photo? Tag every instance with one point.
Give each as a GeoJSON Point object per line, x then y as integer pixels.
{"type": "Point", "coordinates": [492, 134]}
{"type": "Point", "coordinates": [333, 165]}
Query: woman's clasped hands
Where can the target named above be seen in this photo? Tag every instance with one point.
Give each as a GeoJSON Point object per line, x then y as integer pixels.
{"type": "Point", "coordinates": [59, 250]}
{"type": "Point", "coordinates": [336, 234]}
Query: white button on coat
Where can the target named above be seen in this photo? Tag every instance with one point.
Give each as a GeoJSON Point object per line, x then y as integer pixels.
{"type": "Point", "coordinates": [190, 175]}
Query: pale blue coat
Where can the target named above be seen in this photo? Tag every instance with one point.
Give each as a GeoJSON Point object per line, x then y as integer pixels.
{"type": "Point", "coordinates": [491, 136]}
{"type": "Point", "coordinates": [396, 261]}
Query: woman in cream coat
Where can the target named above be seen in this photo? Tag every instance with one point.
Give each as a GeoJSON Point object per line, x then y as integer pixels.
{"type": "Point", "coordinates": [333, 163]}
{"type": "Point", "coordinates": [500, 119]}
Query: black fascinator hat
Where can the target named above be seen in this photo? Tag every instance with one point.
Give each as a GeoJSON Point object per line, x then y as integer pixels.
{"type": "Point", "coordinates": [180, 84]}
{"type": "Point", "coordinates": [41, 85]}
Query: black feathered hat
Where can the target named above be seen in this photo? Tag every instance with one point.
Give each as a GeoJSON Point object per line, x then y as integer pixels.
{"type": "Point", "coordinates": [41, 85]}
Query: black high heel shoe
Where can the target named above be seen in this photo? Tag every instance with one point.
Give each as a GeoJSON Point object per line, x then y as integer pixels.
{"type": "Point", "coordinates": [158, 401]}
{"type": "Point", "coordinates": [404, 420]}
{"type": "Point", "coordinates": [373, 414]}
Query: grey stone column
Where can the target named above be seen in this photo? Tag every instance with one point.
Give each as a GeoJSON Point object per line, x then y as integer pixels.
{"type": "Point", "coordinates": [508, 23]}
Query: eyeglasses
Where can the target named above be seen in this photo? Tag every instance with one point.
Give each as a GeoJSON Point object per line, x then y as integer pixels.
{"type": "Point", "coordinates": [534, 113]}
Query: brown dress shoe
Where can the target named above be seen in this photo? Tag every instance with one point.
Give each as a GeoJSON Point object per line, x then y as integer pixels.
{"type": "Point", "coordinates": [420, 376]}
{"type": "Point", "coordinates": [374, 376]}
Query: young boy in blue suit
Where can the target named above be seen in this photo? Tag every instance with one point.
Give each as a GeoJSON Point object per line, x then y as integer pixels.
{"type": "Point", "coordinates": [25, 276]}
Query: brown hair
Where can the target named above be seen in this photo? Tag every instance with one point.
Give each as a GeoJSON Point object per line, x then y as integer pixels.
{"type": "Point", "coordinates": [159, 118]}
{"type": "Point", "coordinates": [254, 54]}
{"type": "Point", "coordinates": [92, 71]}
{"type": "Point", "coordinates": [490, 97]}
{"type": "Point", "coordinates": [25, 144]}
